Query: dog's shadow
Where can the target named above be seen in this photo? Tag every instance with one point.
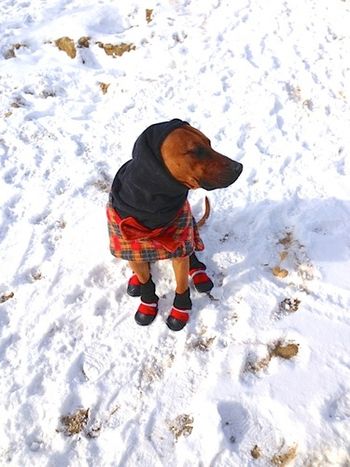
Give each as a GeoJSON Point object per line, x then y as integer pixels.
{"type": "Point", "coordinates": [304, 237]}
{"type": "Point", "coordinates": [241, 239]}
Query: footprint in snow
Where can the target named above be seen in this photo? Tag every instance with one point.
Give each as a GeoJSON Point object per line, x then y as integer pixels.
{"type": "Point", "coordinates": [102, 306]}
{"type": "Point", "coordinates": [100, 276]}
{"type": "Point", "coordinates": [4, 319]}
{"type": "Point", "coordinates": [4, 149]}
{"type": "Point", "coordinates": [10, 175]}
{"type": "Point", "coordinates": [234, 422]}
{"type": "Point", "coordinates": [96, 361]}
{"type": "Point", "coordinates": [339, 408]}
{"type": "Point", "coordinates": [75, 297]}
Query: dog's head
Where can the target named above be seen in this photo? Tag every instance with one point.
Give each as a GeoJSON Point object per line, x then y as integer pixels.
{"type": "Point", "coordinates": [189, 157]}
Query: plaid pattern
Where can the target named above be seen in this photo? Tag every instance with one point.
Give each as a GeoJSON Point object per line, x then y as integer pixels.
{"type": "Point", "coordinates": [132, 241]}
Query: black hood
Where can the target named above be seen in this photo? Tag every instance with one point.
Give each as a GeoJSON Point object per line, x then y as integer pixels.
{"type": "Point", "coordinates": [143, 188]}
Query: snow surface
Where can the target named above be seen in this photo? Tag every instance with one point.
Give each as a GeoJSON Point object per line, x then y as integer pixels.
{"type": "Point", "coordinates": [268, 82]}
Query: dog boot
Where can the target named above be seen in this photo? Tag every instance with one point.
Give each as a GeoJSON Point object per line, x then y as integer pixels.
{"type": "Point", "coordinates": [134, 286]}
{"type": "Point", "coordinates": [201, 280]}
{"type": "Point", "coordinates": [148, 308]}
{"type": "Point", "coordinates": [179, 314]}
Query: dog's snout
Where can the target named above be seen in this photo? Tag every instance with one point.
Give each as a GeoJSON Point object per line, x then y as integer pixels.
{"type": "Point", "coordinates": [228, 173]}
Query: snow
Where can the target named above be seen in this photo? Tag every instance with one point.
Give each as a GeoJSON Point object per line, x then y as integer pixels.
{"type": "Point", "coordinates": [268, 82]}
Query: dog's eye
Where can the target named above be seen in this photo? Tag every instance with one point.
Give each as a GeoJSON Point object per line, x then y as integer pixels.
{"type": "Point", "coordinates": [201, 152]}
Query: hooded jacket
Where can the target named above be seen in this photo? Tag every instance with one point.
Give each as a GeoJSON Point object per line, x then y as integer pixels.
{"type": "Point", "coordinates": [143, 188]}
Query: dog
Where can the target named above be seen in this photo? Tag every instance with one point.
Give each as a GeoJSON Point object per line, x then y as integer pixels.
{"type": "Point", "coordinates": [150, 219]}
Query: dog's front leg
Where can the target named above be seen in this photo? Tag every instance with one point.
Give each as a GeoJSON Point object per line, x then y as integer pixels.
{"type": "Point", "coordinates": [182, 305]}
{"type": "Point", "coordinates": [148, 307]}
{"type": "Point", "coordinates": [181, 268]}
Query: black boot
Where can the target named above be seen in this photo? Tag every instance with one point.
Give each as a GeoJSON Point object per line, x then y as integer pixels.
{"type": "Point", "coordinates": [134, 286]}
{"type": "Point", "coordinates": [195, 263]}
{"type": "Point", "coordinates": [179, 316]}
{"type": "Point", "coordinates": [200, 278]}
{"type": "Point", "coordinates": [148, 308]}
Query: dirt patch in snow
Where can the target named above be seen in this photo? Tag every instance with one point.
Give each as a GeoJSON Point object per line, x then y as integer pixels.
{"type": "Point", "coordinates": [116, 50]}
{"type": "Point", "coordinates": [181, 426]}
{"type": "Point", "coordinates": [6, 296]}
{"type": "Point", "coordinates": [74, 423]}
{"type": "Point", "coordinates": [282, 460]}
{"type": "Point", "coordinates": [279, 349]}
{"type": "Point", "coordinates": [66, 44]}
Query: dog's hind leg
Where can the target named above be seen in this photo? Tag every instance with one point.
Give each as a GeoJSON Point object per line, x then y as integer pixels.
{"type": "Point", "coordinates": [201, 280]}
{"type": "Point", "coordinates": [141, 269]}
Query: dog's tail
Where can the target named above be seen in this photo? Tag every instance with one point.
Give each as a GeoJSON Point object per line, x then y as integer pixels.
{"type": "Point", "coordinates": [206, 214]}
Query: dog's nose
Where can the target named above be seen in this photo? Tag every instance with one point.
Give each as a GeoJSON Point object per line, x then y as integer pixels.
{"type": "Point", "coordinates": [238, 168]}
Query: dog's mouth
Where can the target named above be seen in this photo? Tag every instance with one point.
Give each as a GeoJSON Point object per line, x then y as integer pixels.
{"type": "Point", "coordinates": [208, 186]}
{"type": "Point", "coordinates": [224, 180]}
{"type": "Point", "coordinates": [193, 184]}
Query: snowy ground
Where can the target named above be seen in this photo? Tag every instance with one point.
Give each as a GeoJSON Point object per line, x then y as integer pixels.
{"type": "Point", "coordinates": [261, 375]}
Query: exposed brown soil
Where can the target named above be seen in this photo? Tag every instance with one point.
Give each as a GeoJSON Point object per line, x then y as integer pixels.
{"type": "Point", "coordinates": [104, 87]}
{"type": "Point", "coordinates": [287, 240]}
{"type": "Point", "coordinates": [181, 426]}
{"type": "Point", "coordinates": [256, 452]}
{"type": "Point", "coordinates": [286, 351]}
{"type": "Point", "coordinates": [6, 296]}
{"type": "Point", "coordinates": [149, 15]}
{"type": "Point", "coordinates": [278, 272]}
{"type": "Point", "coordinates": [116, 50]}
{"type": "Point", "coordinates": [281, 460]}
{"type": "Point", "coordinates": [66, 44]}
{"type": "Point", "coordinates": [289, 305]}
{"type": "Point", "coordinates": [75, 423]}
{"type": "Point", "coordinates": [84, 42]}
{"type": "Point", "coordinates": [277, 349]}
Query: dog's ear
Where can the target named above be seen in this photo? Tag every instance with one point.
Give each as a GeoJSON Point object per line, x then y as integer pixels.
{"type": "Point", "coordinates": [197, 132]}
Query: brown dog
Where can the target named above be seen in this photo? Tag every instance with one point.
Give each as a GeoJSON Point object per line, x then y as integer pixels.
{"type": "Point", "coordinates": [150, 218]}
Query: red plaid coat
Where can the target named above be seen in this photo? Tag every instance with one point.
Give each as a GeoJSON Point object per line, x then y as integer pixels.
{"type": "Point", "coordinates": [132, 241]}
